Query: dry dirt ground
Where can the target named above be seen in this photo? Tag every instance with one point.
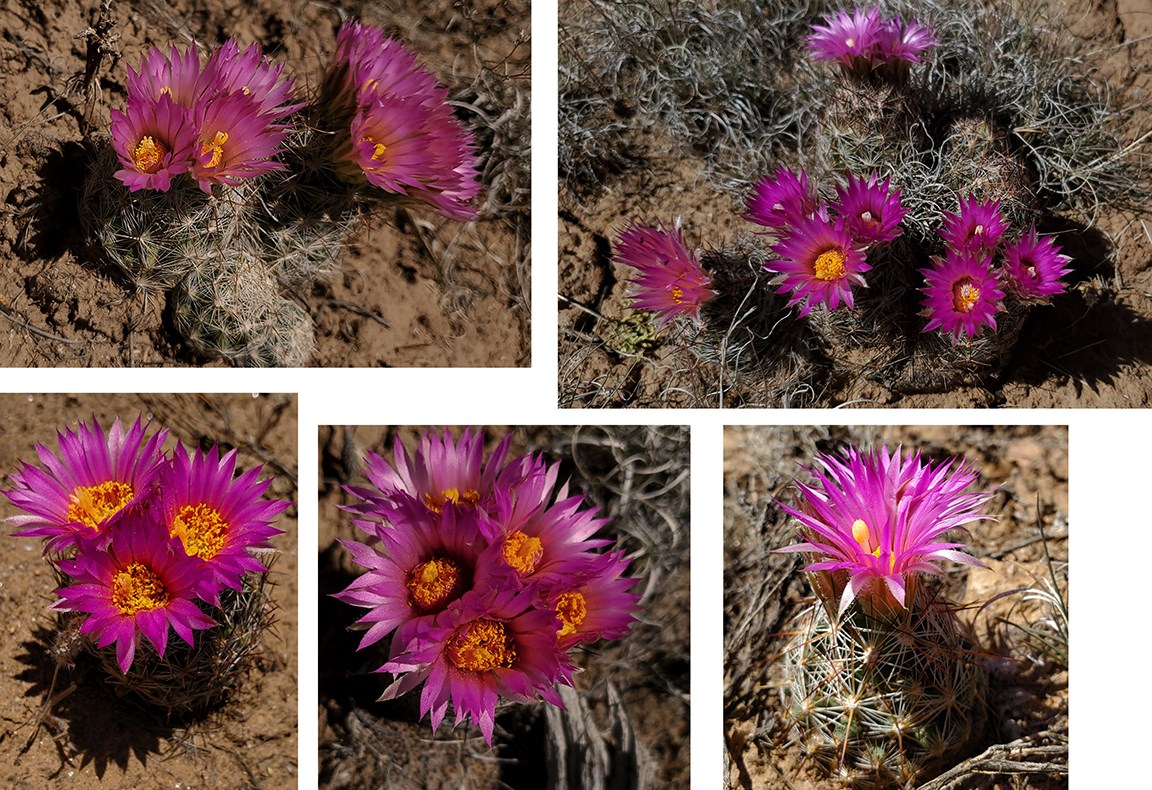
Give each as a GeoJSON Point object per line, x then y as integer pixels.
{"type": "Point", "coordinates": [1089, 349]}
{"type": "Point", "coordinates": [1028, 694]}
{"type": "Point", "coordinates": [631, 699]}
{"type": "Point", "coordinates": [90, 737]}
{"type": "Point", "coordinates": [413, 289]}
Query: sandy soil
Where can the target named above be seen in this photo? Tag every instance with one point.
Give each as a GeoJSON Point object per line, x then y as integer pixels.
{"type": "Point", "coordinates": [632, 695]}
{"type": "Point", "coordinates": [414, 289]}
{"type": "Point", "coordinates": [1028, 695]}
{"type": "Point", "coordinates": [1089, 349]}
{"type": "Point", "coordinates": [91, 737]}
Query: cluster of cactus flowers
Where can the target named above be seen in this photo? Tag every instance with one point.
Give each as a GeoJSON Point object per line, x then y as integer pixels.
{"type": "Point", "coordinates": [145, 541]}
{"type": "Point", "coordinates": [882, 681]}
{"type": "Point", "coordinates": [932, 284]}
{"type": "Point", "coordinates": [484, 574]}
{"type": "Point", "coordinates": [223, 190]}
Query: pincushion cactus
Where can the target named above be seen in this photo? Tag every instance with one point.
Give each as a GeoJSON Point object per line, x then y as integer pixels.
{"type": "Point", "coordinates": [882, 680]}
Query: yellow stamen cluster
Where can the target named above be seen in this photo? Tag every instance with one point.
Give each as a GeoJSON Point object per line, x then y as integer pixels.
{"type": "Point", "coordinates": [965, 295]}
{"type": "Point", "coordinates": [433, 583]}
{"type": "Point", "coordinates": [481, 646]}
{"type": "Point", "coordinates": [137, 588]}
{"type": "Point", "coordinates": [148, 155]}
{"type": "Point", "coordinates": [435, 502]}
{"type": "Point", "coordinates": [677, 294]}
{"type": "Point", "coordinates": [216, 146]}
{"type": "Point", "coordinates": [378, 149]}
{"type": "Point", "coordinates": [201, 529]}
{"type": "Point", "coordinates": [92, 505]}
{"type": "Point", "coordinates": [830, 265]}
{"type": "Point", "coordinates": [571, 609]}
{"type": "Point", "coordinates": [523, 552]}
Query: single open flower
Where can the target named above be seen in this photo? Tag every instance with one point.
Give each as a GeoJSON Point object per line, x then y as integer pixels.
{"type": "Point", "coordinates": [818, 263]}
{"type": "Point", "coordinates": [870, 211]}
{"type": "Point", "coordinates": [141, 584]}
{"type": "Point", "coordinates": [229, 70]}
{"type": "Point", "coordinates": [878, 520]}
{"type": "Point", "coordinates": [1033, 266]}
{"type": "Point", "coordinates": [234, 141]}
{"type": "Point", "coordinates": [671, 283]}
{"type": "Point", "coordinates": [176, 74]}
{"type": "Point", "coordinates": [96, 479]}
{"type": "Point", "coordinates": [215, 518]}
{"type": "Point", "coordinates": [154, 141]}
{"type": "Point", "coordinates": [977, 227]}
{"type": "Point", "coordinates": [478, 651]}
{"type": "Point", "coordinates": [781, 200]}
{"type": "Point", "coordinates": [407, 146]}
{"type": "Point", "coordinates": [849, 39]}
{"type": "Point", "coordinates": [593, 599]}
{"type": "Point", "coordinates": [962, 295]}
{"type": "Point", "coordinates": [900, 41]}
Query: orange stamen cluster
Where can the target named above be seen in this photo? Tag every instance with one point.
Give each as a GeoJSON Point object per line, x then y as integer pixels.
{"type": "Point", "coordinates": [481, 646]}
{"type": "Point", "coordinates": [201, 529]}
{"type": "Point", "coordinates": [433, 583]}
{"type": "Point", "coordinates": [92, 505]}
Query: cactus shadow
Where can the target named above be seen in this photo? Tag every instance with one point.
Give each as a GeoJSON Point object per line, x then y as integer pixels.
{"type": "Point", "coordinates": [90, 722]}
{"type": "Point", "coordinates": [1084, 335]}
{"type": "Point", "coordinates": [49, 216]}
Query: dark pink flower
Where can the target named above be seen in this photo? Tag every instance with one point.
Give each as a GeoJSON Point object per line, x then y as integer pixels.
{"type": "Point", "coordinates": [234, 141]}
{"type": "Point", "coordinates": [962, 295]}
{"type": "Point", "coordinates": [871, 213]}
{"type": "Point", "coordinates": [154, 141]}
{"type": "Point", "coordinates": [880, 519]}
{"type": "Point", "coordinates": [900, 41]}
{"type": "Point", "coordinates": [229, 70]}
{"type": "Point", "coordinates": [592, 598]}
{"type": "Point", "coordinates": [847, 39]}
{"type": "Point", "coordinates": [177, 75]}
{"type": "Point", "coordinates": [95, 481]}
{"type": "Point", "coordinates": [818, 263]}
{"type": "Point", "coordinates": [215, 518]}
{"type": "Point", "coordinates": [1033, 266]}
{"type": "Point", "coordinates": [141, 584]}
{"type": "Point", "coordinates": [670, 282]}
{"type": "Point", "coordinates": [781, 200]}
{"type": "Point", "coordinates": [977, 227]}
{"type": "Point", "coordinates": [477, 651]}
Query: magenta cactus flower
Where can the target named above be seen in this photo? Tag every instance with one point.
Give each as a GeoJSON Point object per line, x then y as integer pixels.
{"type": "Point", "coordinates": [418, 570]}
{"type": "Point", "coordinates": [217, 519]}
{"type": "Point", "coordinates": [593, 599]}
{"type": "Point", "coordinates": [870, 211]}
{"type": "Point", "coordinates": [962, 295]}
{"type": "Point", "coordinates": [900, 41]}
{"type": "Point", "coordinates": [1032, 267]}
{"type": "Point", "coordinates": [234, 142]}
{"type": "Point", "coordinates": [872, 521]}
{"type": "Point", "coordinates": [154, 142]}
{"type": "Point", "coordinates": [409, 147]}
{"type": "Point", "coordinates": [671, 283]}
{"type": "Point", "coordinates": [782, 199]}
{"type": "Point", "coordinates": [140, 585]}
{"type": "Point", "coordinates": [819, 263]}
{"type": "Point", "coordinates": [850, 40]}
{"type": "Point", "coordinates": [478, 651]}
{"type": "Point", "coordinates": [229, 70]}
{"type": "Point", "coordinates": [977, 227]}
{"type": "Point", "coordinates": [96, 479]}
{"type": "Point", "coordinates": [176, 74]}
{"type": "Point", "coordinates": [369, 63]}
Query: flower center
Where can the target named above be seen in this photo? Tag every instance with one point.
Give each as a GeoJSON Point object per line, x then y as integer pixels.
{"type": "Point", "coordinates": [137, 588]}
{"type": "Point", "coordinates": [571, 609]}
{"type": "Point", "coordinates": [435, 502]}
{"type": "Point", "coordinates": [201, 529]}
{"type": "Point", "coordinates": [849, 42]}
{"type": "Point", "coordinates": [433, 583]}
{"type": "Point", "coordinates": [92, 505]}
{"type": "Point", "coordinates": [523, 552]}
{"type": "Point", "coordinates": [216, 146]}
{"type": "Point", "coordinates": [148, 155]}
{"type": "Point", "coordinates": [482, 645]}
{"type": "Point", "coordinates": [830, 265]}
{"type": "Point", "coordinates": [867, 218]}
{"type": "Point", "coordinates": [378, 149]}
{"type": "Point", "coordinates": [978, 230]}
{"type": "Point", "coordinates": [677, 294]}
{"type": "Point", "coordinates": [965, 294]}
